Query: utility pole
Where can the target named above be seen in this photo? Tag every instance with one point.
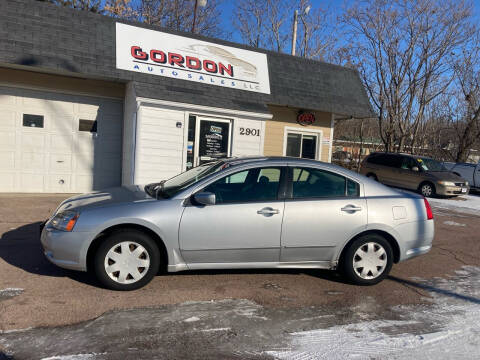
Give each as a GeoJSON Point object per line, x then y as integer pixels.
{"type": "Point", "coordinates": [201, 3]}
{"type": "Point", "coordinates": [294, 32]}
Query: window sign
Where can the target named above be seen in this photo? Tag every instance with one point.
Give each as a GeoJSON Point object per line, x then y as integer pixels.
{"type": "Point", "coordinates": [213, 139]}
{"type": "Point", "coordinates": [158, 53]}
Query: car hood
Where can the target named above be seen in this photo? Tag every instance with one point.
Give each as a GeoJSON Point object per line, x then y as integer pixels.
{"type": "Point", "coordinates": [445, 176]}
{"type": "Point", "coordinates": [107, 197]}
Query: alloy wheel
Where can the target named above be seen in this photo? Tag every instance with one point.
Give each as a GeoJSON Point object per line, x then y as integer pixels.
{"type": "Point", "coordinates": [127, 262]}
{"type": "Point", "coordinates": [427, 190]}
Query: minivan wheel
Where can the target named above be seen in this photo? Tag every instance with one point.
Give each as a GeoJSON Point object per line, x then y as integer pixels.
{"type": "Point", "coordinates": [368, 260]}
{"type": "Point", "coordinates": [427, 189]}
{"type": "Point", "coordinates": [126, 260]}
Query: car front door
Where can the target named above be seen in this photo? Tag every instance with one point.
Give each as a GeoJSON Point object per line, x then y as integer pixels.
{"type": "Point", "coordinates": [408, 177]}
{"type": "Point", "coordinates": [242, 227]}
{"type": "Point", "coordinates": [322, 211]}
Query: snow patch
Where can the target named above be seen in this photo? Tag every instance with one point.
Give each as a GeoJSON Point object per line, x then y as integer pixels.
{"type": "Point", "coordinates": [453, 223]}
{"type": "Point", "coordinates": [10, 292]}
{"type": "Point", "coordinates": [74, 357]}
{"type": "Point", "coordinates": [455, 313]}
{"type": "Point", "coordinates": [192, 319]}
{"type": "Point", "coordinates": [469, 204]}
{"type": "Point", "coordinates": [216, 329]}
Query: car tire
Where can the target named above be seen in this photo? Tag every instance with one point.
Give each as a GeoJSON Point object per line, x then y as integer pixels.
{"type": "Point", "coordinates": [372, 176]}
{"type": "Point", "coordinates": [126, 260]}
{"type": "Point", "coordinates": [377, 253]}
{"type": "Point", "coordinates": [427, 189]}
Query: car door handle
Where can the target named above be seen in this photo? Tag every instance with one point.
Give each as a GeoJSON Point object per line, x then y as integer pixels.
{"type": "Point", "coordinates": [351, 208]}
{"type": "Point", "coordinates": [268, 211]}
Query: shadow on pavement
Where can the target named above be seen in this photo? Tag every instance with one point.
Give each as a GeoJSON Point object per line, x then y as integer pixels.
{"type": "Point", "coordinates": [434, 289]}
{"type": "Point", "coordinates": [4, 356]}
{"type": "Point", "coordinates": [21, 247]}
{"type": "Point", "coordinates": [317, 273]}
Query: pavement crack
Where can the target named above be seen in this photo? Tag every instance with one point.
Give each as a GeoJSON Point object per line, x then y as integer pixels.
{"type": "Point", "coordinates": [453, 254]}
{"type": "Point", "coordinates": [415, 290]}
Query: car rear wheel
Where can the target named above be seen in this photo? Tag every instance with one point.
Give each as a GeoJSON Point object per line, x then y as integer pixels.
{"type": "Point", "coordinates": [368, 260]}
{"type": "Point", "coordinates": [126, 260]}
{"type": "Point", "coordinates": [427, 189]}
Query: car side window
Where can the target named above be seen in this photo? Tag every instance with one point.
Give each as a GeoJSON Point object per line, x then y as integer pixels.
{"type": "Point", "coordinates": [315, 183]}
{"type": "Point", "coordinates": [408, 163]}
{"type": "Point", "coordinates": [253, 185]}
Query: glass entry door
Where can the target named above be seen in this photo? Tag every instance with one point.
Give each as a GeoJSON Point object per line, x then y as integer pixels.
{"type": "Point", "coordinates": [208, 139]}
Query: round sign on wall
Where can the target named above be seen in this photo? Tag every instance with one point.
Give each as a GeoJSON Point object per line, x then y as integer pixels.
{"type": "Point", "coordinates": [305, 118]}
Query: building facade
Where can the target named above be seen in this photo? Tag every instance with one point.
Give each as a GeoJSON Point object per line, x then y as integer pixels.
{"type": "Point", "coordinates": [89, 102]}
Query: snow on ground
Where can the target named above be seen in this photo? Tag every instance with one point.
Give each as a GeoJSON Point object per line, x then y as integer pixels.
{"type": "Point", "coordinates": [453, 223]}
{"type": "Point", "coordinates": [451, 329]}
{"type": "Point", "coordinates": [469, 204]}
{"type": "Point", "coordinates": [9, 293]}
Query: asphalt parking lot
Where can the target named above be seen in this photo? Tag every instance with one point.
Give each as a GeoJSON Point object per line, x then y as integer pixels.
{"type": "Point", "coordinates": [34, 293]}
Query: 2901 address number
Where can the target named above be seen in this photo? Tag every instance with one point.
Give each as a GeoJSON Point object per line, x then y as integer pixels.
{"type": "Point", "coordinates": [249, 131]}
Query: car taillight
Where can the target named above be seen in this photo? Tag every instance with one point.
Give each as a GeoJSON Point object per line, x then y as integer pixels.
{"type": "Point", "coordinates": [429, 209]}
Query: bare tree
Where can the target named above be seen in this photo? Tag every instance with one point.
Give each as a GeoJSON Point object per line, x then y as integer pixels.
{"type": "Point", "coordinates": [87, 5]}
{"type": "Point", "coordinates": [402, 49]}
{"type": "Point", "coordinates": [268, 24]}
{"type": "Point", "coordinates": [316, 38]}
{"type": "Point", "coordinates": [467, 126]}
{"type": "Point", "coordinates": [120, 9]}
{"type": "Point", "coordinates": [178, 15]}
{"type": "Point", "coordinates": [263, 23]}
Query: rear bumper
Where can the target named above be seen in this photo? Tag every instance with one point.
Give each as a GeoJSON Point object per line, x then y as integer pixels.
{"type": "Point", "coordinates": [417, 238]}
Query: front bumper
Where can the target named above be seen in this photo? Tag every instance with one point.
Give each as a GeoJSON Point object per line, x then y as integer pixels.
{"type": "Point", "coordinates": [451, 190]}
{"type": "Point", "coordinates": [64, 249]}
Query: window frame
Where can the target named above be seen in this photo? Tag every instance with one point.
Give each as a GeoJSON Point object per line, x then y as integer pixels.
{"type": "Point", "coordinates": [303, 131]}
{"type": "Point", "coordinates": [289, 188]}
{"type": "Point", "coordinates": [281, 187]}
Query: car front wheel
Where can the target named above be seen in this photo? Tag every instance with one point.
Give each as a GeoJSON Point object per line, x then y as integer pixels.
{"type": "Point", "coordinates": [126, 260]}
{"type": "Point", "coordinates": [368, 260]}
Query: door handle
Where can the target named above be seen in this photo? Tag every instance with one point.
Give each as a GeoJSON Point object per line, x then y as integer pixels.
{"type": "Point", "coordinates": [268, 211]}
{"type": "Point", "coordinates": [351, 208]}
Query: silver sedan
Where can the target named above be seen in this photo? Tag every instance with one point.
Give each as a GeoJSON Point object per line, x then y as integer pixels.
{"type": "Point", "coordinates": [241, 213]}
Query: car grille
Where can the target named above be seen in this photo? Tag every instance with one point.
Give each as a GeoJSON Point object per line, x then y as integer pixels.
{"type": "Point", "coordinates": [459, 184]}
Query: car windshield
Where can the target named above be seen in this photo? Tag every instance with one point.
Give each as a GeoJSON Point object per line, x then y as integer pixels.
{"type": "Point", "coordinates": [428, 164]}
{"type": "Point", "coordinates": [168, 188]}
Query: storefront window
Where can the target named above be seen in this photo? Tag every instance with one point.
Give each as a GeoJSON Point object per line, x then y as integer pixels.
{"type": "Point", "coordinates": [302, 145]}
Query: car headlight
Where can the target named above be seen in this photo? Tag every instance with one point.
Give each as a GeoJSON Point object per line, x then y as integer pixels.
{"type": "Point", "coordinates": [466, 183]}
{"type": "Point", "coordinates": [446, 183]}
{"type": "Point", "coordinates": [65, 220]}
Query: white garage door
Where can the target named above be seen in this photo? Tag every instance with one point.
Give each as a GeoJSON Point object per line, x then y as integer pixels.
{"type": "Point", "coordinates": [55, 143]}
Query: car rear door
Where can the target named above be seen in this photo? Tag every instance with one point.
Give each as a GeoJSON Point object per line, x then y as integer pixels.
{"type": "Point", "coordinates": [323, 209]}
{"type": "Point", "coordinates": [242, 227]}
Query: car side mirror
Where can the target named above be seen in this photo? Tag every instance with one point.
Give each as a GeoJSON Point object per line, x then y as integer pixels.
{"type": "Point", "coordinates": [415, 168]}
{"type": "Point", "coordinates": [205, 198]}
